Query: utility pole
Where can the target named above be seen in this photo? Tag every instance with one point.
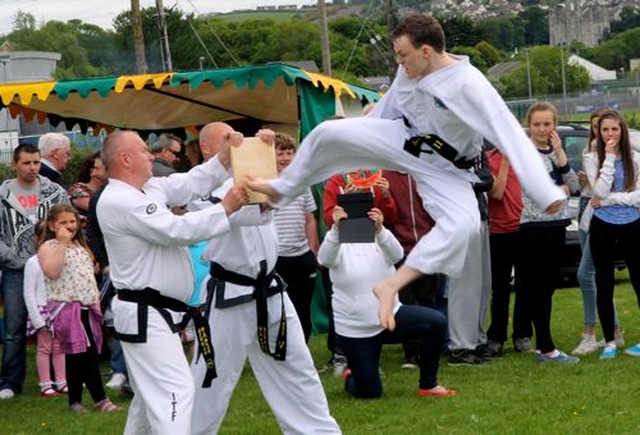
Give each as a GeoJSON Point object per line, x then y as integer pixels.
{"type": "Point", "coordinates": [564, 79]}
{"type": "Point", "coordinates": [324, 38]}
{"type": "Point", "coordinates": [138, 37]}
{"type": "Point", "coordinates": [164, 40]}
{"type": "Point", "coordinates": [391, 24]}
{"type": "Point", "coordinates": [526, 55]}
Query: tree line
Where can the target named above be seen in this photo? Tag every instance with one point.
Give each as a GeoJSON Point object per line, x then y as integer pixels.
{"type": "Point", "coordinates": [359, 45]}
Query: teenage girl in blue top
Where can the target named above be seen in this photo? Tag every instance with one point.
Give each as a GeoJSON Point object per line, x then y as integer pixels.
{"type": "Point", "coordinates": [614, 173]}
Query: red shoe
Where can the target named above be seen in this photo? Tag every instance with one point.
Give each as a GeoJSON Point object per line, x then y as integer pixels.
{"type": "Point", "coordinates": [49, 392]}
{"type": "Point", "coordinates": [437, 391]}
{"type": "Point", "coordinates": [346, 374]}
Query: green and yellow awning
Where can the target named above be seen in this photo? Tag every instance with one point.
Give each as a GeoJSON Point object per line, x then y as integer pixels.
{"type": "Point", "coordinates": [269, 94]}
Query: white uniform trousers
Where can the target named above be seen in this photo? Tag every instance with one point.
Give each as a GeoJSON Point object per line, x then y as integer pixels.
{"type": "Point", "coordinates": [160, 377]}
{"type": "Point", "coordinates": [347, 144]}
{"type": "Point", "coordinates": [291, 387]}
{"type": "Point", "coordinates": [469, 295]}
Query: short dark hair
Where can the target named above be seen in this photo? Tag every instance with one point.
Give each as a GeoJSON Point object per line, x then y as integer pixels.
{"type": "Point", "coordinates": [421, 30]}
{"type": "Point", "coordinates": [24, 148]}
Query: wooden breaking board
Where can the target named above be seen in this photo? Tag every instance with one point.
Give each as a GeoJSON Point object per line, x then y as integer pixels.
{"type": "Point", "coordinates": [254, 157]}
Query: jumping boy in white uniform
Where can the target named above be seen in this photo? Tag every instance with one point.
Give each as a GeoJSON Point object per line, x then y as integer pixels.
{"type": "Point", "coordinates": [434, 93]}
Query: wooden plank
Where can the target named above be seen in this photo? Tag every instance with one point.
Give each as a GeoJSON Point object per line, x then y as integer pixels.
{"type": "Point", "coordinates": [257, 158]}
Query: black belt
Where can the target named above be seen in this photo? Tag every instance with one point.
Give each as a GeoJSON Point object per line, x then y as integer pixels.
{"type": "Point", "coordinates": [262, 291]}
{"type": "Point", "coordinates": [413, 146]}
{"type": "Point", "coordinates": [154, 298]}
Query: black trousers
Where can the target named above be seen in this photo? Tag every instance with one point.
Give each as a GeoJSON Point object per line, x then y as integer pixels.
{"type": "Point", "coordinates": [504, 260]}
{"type": "Point", "coordinates": [299, 273]}
{"type": "Point", "coordinates": [423, 292]}
{"type": "Point", "coordinates": [537, 277]}
{"type": "Point", "coordinates": [84, 368]}
{"type": "Point", "coordinates": [602, 240]}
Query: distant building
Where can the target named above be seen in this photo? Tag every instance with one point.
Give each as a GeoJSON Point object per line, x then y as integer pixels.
{"type": "Point", "coordinates": [580, 20]}
{"type": "Point", "coordinates": [24, 66]}
{"type": "Point", "coordinates": [596, 72]}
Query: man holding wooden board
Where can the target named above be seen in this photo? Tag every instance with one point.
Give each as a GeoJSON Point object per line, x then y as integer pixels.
{"type": "Point", "coordinates": [249, 312]}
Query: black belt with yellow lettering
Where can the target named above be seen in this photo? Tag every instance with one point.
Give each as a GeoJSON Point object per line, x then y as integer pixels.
{"type": "Point", "coordinates": [154, 298]}
{"type": "Point", "coordinates": [262, 290]}
{"type": "Point", "coordinates": [414, 144]}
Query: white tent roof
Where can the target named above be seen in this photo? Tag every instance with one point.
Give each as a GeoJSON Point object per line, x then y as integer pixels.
{"type": "Point", "coordinates": [596, 72]}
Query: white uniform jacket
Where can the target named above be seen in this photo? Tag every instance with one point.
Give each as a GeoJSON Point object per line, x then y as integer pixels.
{"type": "Point", "coordinates": [459, 104]}
{"type": "Point", "coordinates": [252, 238]}
{"type": "Point", "coordinates": [355, 268]}
{"type": "Point", "coordinates": [147, 243]}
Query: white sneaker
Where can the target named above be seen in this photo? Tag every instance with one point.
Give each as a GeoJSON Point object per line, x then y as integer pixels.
{"type": "Point", "coordinates": [7, 393]}
{"type": "Point", "coordinates": [116, 382]}
{"type": "Point", "coordinates": [587, 345]}
{"type": "Point", "coordinates": [339, 365]}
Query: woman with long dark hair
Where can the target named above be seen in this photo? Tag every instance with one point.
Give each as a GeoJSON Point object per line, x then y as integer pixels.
{"type": "Point", "coordinates": [614, 174]}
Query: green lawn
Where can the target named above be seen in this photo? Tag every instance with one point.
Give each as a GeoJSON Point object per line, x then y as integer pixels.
{"type": "Point", "coordinates": [513, 394]}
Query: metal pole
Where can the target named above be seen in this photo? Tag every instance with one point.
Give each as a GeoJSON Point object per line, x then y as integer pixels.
{"type": "Point", "coordinates": [564, 79]}
{"type": "Point", "coordinates": [526, 54]}
{"type": "Point", "coordinates": [164, 39]}
{"type": "Point", "coordinates": [324, 38]}
{"type": "Point", "coordinates": [391, 24]}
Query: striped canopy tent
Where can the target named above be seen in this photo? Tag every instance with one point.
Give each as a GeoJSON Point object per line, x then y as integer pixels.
{"type": "Point", "coordinates": [274, 95]}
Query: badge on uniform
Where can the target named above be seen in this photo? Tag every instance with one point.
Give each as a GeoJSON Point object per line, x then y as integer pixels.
{"type": "Point", "coordinates": [151, 208]}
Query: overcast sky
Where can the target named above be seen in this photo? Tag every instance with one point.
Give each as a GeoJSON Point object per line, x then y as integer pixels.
{"type": "Point", "coordinates": [102, 12]}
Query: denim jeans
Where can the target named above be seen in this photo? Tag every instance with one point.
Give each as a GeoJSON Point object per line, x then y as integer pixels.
{"type": "Point", "coordinates": [363, 353]}
{"type": "Point", "coordinates": [14, 356]}
{"type": "Point", "coordinates": [587, 280]}
{"type": "Point", "coordinates": [117, 357]}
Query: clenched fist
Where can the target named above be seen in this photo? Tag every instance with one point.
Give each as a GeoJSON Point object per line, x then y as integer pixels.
{"type": "Point", "coordinates": [235, 198]}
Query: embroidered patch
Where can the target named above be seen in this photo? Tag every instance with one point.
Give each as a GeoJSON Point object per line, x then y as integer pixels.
{"type": "Point", "coordinates": [151, 208]}
{"type": "Point", "coordinates": [439, 104]}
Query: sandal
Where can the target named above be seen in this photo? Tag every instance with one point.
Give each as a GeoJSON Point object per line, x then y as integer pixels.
{"type": "Point", "coordinates": [49, 392]}
{"type": "Point", "coordinates": [106, 405]}
{"type": "Point", "coordinates": [437, 391]}
{"type": "Point", "coordinates": [64, 389]}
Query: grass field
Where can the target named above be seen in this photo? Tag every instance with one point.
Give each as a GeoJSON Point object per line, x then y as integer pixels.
{"type": "Point", "coordinates": [511, 395]}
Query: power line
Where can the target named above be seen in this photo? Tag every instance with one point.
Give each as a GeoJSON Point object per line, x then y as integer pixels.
{"type": "Point", "coordinates": [355, 42]}
{"type": "Point", "coordinates": [215, 34]}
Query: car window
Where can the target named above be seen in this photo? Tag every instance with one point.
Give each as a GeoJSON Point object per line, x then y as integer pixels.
{"type": "Point", "coordinates": [574, 146]}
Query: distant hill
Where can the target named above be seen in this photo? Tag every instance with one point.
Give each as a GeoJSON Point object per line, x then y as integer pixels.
{"type": "Point", "coordinates": [309, 14]}
{"type": "Point", "coordinates": [261, 15]}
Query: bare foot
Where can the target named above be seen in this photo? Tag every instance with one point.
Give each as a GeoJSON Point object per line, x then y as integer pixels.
{"type": "Point", "coordinates": [261, 185]}
{"type": "Point", "coordinates": [386, 296]}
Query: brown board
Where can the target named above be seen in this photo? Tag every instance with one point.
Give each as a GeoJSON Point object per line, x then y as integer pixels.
{"type": "Point", "coordinates": [255, 157]}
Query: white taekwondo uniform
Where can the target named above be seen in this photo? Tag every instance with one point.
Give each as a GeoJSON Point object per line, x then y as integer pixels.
{"type": "Point", "coordinates": [147, 247]}
{"type": "Point", "coordinates": [291, 387]}
{"type": "Point", "coordinates": [458, 104]}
